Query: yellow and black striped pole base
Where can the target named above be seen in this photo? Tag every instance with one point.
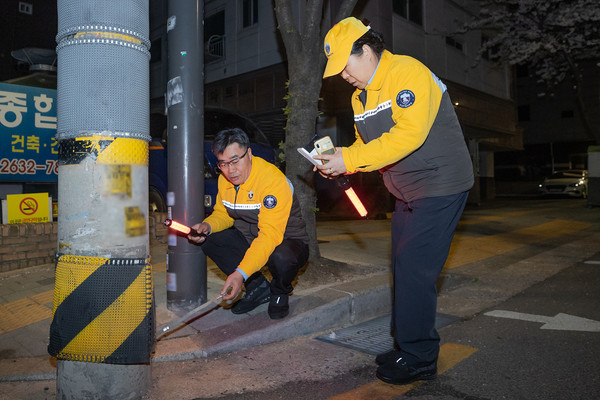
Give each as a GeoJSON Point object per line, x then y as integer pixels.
{"type": "Point", "coordinates": [103, 310]}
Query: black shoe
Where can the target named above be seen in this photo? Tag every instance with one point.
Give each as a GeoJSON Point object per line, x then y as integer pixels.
{"type": "Point", "coordinates": [391, 355]}
{"type": "Point", "coordinates": [257, 293]}
{"type": "Point", "coordinates": [279, 306]}
{"type": "Point", "coordinates": [399, 372]}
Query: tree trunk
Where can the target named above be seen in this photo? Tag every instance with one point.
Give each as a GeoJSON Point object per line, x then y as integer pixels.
{"type": "Point", "coordinates": [301, 124]}
{"type": "Point", "coordinates": [306, 62]}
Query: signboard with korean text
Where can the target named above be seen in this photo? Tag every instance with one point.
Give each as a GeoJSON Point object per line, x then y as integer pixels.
{"type": "Point", "coordinates": [28, 147]}
{"type": "Point", "coordinates": [28, 208]}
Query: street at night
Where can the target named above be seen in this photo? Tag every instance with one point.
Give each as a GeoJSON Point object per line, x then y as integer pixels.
{"type": "Point", "coordinates": [517, 304]}
{"type": "Point", "coordinates": [299, 200]}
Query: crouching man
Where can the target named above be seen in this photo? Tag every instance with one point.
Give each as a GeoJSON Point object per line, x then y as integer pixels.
{"type": "Point", "coordinates": [256, 222]}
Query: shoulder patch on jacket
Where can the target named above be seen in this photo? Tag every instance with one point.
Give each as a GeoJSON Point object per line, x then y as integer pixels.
{"type": "Point", "coordinates": [270, 201]}
{"type": "Point", "coordinates": [405, 98]}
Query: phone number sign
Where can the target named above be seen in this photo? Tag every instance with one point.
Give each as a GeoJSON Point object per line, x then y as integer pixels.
{"type": "Point", "coordinates": [28, 147]}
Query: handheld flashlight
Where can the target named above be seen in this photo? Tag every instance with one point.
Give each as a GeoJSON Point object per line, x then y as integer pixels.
{"type": "Point", "coordinates": [186, 230]}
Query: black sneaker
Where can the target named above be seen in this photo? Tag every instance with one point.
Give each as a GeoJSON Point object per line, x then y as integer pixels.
{"type": "Point", "coordinates": [391, 355]}
{"type": "Point", "coordinates": [399, 372]}
{"type": "Point", "coordinates": [257, 293]}
{"type": "Point", "coordinates": [279, 306]}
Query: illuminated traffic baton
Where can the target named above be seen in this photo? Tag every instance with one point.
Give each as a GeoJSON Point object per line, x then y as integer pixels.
{"type": "Point", "coordinates": [186, 230]}
{"type": "Point", "coordinates": [344, 183]}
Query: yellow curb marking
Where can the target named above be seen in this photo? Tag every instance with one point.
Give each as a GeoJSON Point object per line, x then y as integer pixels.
{"type": "Point", "coordinates": [25, 311]}
{"type": "Point", "coordinates": [466, 220]}
{"type": "Point", "coordinates": [478, 219]}
{"type": "Point", "coordinates": [354, 236]}
{"type": "Point", "coordinates": [465, 250]}
{"type": "Point", "coordinates": [450, 355]}
{"type": "Point", "coordinates": [29, 310]}
{"type": "Point", "coordinates": [46, 297]}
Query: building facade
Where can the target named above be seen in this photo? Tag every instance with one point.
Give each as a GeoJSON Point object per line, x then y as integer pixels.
{"type": "Point", "coordinates": [554, 134]}
{"type": "Point", "coordinates": [245, 69]}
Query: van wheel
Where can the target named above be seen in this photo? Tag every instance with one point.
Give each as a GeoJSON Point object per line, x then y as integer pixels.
{"type": "Point", "coordinates": [156, 202]}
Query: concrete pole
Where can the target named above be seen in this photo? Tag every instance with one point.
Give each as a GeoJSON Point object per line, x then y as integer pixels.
{"type": "Point", "coordinates": [186, 263]}
{"type": "Point", "coordinates": [102, 331]}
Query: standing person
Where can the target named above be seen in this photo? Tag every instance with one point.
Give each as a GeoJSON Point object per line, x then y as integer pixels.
{"type": "Point", "coordinates": [256, 222]}
{"type": "Point", "coordinates": [406, 128]}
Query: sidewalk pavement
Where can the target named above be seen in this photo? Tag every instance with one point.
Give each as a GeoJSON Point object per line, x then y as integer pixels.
{"type": "Point", "coordinates": [496, 253]}
{"type": "Point", "coordinates": [324, 298]}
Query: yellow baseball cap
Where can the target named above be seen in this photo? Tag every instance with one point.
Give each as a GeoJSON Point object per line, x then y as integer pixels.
{"type": "Point", "coordinates": [338, 44]}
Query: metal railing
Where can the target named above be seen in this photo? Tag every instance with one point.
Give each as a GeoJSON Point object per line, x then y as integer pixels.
{"type": "Point", "coordinates": [215, 48]}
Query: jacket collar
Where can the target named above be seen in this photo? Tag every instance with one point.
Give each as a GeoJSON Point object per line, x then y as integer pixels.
{"type": "Point", "coordinates": [382, 71]}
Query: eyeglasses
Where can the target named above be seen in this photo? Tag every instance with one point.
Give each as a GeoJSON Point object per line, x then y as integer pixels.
{"type": "Point", "coordinates": [222, 164]}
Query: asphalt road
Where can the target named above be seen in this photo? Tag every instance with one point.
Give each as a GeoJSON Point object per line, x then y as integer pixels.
{"type": "Point", "coordinates": [520, 356]}
{"type": "Point", "coordinates": [527, 323]}
{"type": "Point", "coordinates": [506, 358]}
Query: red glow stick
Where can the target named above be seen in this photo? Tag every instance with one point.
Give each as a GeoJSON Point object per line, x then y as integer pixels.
{"type": "Point", "coordinates": [344, 183]}
{"type": "Point", "coordinates": [186, 230]}
{"type": "Point", "coordinates": [356, 202]}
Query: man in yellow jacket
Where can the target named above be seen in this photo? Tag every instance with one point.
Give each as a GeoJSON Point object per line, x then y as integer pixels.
{"type": "Point", "coordinates": [407, 129]}
{"type": "Point", "coordinates": [256, 222]}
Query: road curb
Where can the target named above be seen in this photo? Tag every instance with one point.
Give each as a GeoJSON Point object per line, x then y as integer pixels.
{"type": "Point", "coordinates": [328, 308]}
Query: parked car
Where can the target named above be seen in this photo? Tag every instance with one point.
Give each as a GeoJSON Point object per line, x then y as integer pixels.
{"type": "Point", "coordinates": [215, 120]}
{"type": "Point", "coordinates": [572, 182]}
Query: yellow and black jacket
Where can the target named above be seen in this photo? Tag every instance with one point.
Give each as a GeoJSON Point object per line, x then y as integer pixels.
{"type": "Point", "coordinates": [407, 129]}
{"type": "Point", "coordinates": [264, 209]}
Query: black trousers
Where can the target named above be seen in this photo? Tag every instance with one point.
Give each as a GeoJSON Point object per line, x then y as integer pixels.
{"type": "Point", "coordinates": [227, 249]}
{"type": "Point", "coordinates": [422, 231]}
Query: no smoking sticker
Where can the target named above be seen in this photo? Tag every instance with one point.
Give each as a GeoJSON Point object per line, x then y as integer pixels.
{"type": "Point", "coordinates": [28, 206]}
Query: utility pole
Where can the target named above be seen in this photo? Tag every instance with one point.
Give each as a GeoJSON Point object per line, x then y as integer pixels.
{"type": "Point", "coordinates": [102, 330]}
{"type": "Point", "coordinates": [186, 263]}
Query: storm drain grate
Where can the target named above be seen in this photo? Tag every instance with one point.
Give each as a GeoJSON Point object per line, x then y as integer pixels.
{"type": "Point", "coordinates": [373, 336]}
